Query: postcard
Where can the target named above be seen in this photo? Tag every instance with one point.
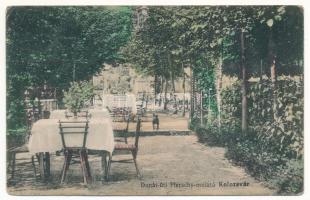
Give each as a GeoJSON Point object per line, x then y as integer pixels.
{"type": "Point", "coordinates": [155, 100]}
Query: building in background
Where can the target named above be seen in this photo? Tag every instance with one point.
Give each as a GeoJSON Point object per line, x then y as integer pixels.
{"type": "Point", "coordinates": [123, 79]}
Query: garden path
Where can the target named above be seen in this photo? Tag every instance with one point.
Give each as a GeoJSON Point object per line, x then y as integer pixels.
{"type": "Point", "coordinates": [163, 160]}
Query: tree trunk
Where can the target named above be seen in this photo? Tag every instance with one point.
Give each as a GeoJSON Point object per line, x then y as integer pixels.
{"type": "Point", "coordinates": [192, 92]}
{"type": "Point", "coordinates": [273, 74]}
{"type": "Point", "coordinates": [166, 89]}
{"type": "Point", "coordinates": [244, 85]}
{"type": "Point", "coordinates": [162, 85]}
{"type": "Point", "coordinates": [155, 85]}
{"type": "Point", "coordinates": [201, 108]}
{"type": "Point", "coordinates": [146, 102]}
{"type": "Point", "coordinates": [274, 86]}
{"type": "Point", "coordinates": [183, 114]}
{"type": "Point", "coordinates": [173, 84]}
{"type": "Point", "coordinates": [173, 91]}
{"type": "Point", "coordinates": [161, 90]}
{"type": "Point", "coordinates": [261, 70]}
{"type": "Point", "coordinates": [171, 74]}
{"type": "Point", "coordinates": [219, 75]}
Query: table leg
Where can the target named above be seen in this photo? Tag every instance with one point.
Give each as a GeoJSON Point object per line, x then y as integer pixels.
{"type": "Point", "coordinates": [47, 164]}
{"type": "Point", "coordinates": [44, 165]}
{"type": "Point", "coordinates": [105, 164]}
{"type": "Point", "coordinates": [41, 166]}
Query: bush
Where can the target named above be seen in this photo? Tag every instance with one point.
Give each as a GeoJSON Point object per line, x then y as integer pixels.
{"type": "Point", "coordinates": [78, 95]}
{"type": "Point", "coordinates": [16, 115]}
{"type": "Point", "coordinates": [260, 162]}
{"type": "Point", "coordinates": [289, 178]}
{"type": "Point", "coordinates": [208, 135]}
{"type": "Point", "coordinates": [213, 137]}
{"type": "Point", "coordinates": [272, 150]}
{"type": "Point", "coordinates": [286, 131]}
{"type": "Point", "coordinates": [16, 137]}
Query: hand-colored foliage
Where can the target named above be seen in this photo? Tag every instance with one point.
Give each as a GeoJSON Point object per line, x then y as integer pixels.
{"type": "Point", "coordinates": [78, 96]}
{"type": "Point", "coordinates": [58, 45]}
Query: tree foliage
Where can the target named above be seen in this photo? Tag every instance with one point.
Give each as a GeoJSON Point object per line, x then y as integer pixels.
{"type": "Point", "coordinates": [78, 95]}
{"type": "Point", "coordinates": [188, 34]}
{"type": "Point", "coordinates": [57, 45]}
{"type": "Point", "coordinates": [205, 36]}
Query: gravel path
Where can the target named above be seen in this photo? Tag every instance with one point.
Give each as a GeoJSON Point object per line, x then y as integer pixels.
{"type": "Point", "coordinates": [170, 165]}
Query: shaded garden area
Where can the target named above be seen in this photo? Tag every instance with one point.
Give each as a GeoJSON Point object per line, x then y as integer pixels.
{"type": "Point", "coordinates": [258, 112]}
{"type": "Point", "coordinates": [240, 69]}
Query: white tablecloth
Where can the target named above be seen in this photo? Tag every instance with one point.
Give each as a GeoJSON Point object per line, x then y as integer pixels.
{"type": "Point", "coordinates": [99, 113]}
{"type": "Point", "coordinates": [128, 100]}
{"type": "Point", "coordinates": [45, 136]}
{"type": "Point", "coordinates": [58, 114]}
{"type": "Point", "coordinates": [94, 113]}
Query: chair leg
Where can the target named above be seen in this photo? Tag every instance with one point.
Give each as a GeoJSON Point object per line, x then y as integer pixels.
{"type": "Point", "coordinates": [63, 172]}
{"type": "Point", "coordinates": [38, 157]}
{"type": "Point", "coordinates": [68, 156]}
{"type": "Point", "coordinates": [34, 167]}
{"type": "Point", "coordinates": [126, 142]}
{"type": "Point", "coordinates": [134, 155]}
{"type": "Point", "coordinates": [88, 173]}
{"type": "Point", "coordinates": [83, 166]}
{"type": "Point", "coordinates": [13, 164]}
{"type": "Point", "coordinates": [9, 162]}
{"type": "Point", "coordinates": [13, 160]}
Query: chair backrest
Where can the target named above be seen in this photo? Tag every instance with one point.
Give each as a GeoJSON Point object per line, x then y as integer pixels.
{"type": "Point", "coordinates": [73, 133]}
{"type": "Point", "coordinates": [137, 135]}
{"type": "Point", "coordinates": [121, 125]}
{"type": "Point", "coordinates": [120, 114]}
{"type": "Point", "coordinates": [128, 121]}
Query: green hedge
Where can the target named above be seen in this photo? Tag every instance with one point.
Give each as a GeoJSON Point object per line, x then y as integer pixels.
{"type": "Point", "coordinates": [263, 163]}
{"type": "Point", "coordinates": [16, 137]}
{"type": "Point", "coordinates": [272, 150]}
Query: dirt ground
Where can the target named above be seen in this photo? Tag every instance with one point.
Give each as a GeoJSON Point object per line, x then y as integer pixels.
{"type": "Point", "coordinates": [170, 165]}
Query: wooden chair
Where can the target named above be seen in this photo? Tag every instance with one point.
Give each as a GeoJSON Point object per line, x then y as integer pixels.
{"type": "Point", "coordinates": [132, 148]}
{"type": "Point", "coordinates": [120, 129]}
{"type": "Point", "coordinates": [12, 152]}
{"type": "Point", "coordinates": [139, 110]}
{"type": "Point", "coordinates": [120, 113]}
{"type": "Point", "coordinates": [73, 129]}
{"type": "Point", "coordinates": [115, 114]}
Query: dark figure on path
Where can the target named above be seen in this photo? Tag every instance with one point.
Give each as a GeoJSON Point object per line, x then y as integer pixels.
{"type": "Point", "coordinates": [155, 121]}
